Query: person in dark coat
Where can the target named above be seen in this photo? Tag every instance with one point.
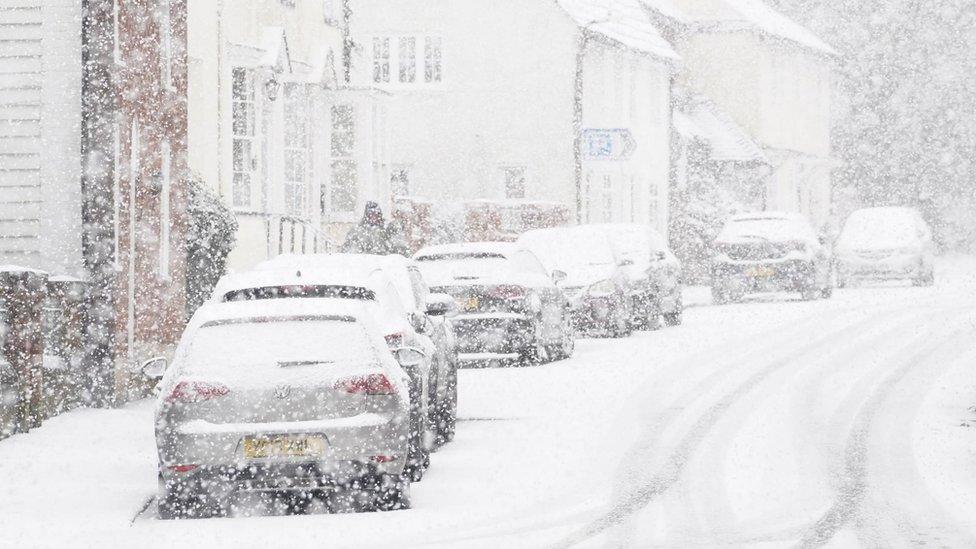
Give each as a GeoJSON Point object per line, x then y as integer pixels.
{"type": "Point", "coordinates": [374, 236]}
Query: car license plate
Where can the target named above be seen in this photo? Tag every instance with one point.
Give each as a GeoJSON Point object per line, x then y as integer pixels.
{"type": "Point", "coordinates": [290, 446]}
{"type": "Point", "coordinates": [761, 272]}
{"type": "Point", "coordinates": [471, 303]}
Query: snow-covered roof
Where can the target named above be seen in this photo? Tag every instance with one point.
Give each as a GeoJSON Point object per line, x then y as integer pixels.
{"type": "Point", "coordinates": [728, 141]}
{"type": "Point", "coordinates": [285, 276]}
{"type": "Point", "coordinates": [623, 21]}
{"type": "Point", "coordinates": [770, 21]}
{"type": "Point", "coordinates": [502, 248]}
{"type": "Point", "coordinates": [667, 8]}
{"type": "Point", "coordinates": [212, 312]}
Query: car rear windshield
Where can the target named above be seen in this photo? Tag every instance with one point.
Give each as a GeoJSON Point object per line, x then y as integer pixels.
{"type": "Point", "coordinates": [466, 264]}
{"type": "Point", "coordinates": [878, 228]}
{"type": "Point", "coordinates": [774, 229]}
{"type": "Point", "coordinates": [313, 291]}
{"type": "Point", "coordinates": [253, 347]}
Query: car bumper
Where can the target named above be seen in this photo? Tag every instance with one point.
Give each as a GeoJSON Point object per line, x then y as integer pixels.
{"type": "Point", "coordinates": [891, 267]}
{"type": "Point", "coordinates": [495, 335]}
{"type": "Point", "coordinates": [793, 275]}
{"type": "Point", "coordinates": [216, 451]}
{"type": "Point", "coordinates": [593, 313]}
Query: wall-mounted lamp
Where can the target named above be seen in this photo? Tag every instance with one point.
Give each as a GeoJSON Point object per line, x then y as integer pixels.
{"type": "Point", "coordinates": [271, 87]}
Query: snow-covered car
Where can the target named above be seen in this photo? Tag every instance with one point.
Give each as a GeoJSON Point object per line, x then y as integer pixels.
{"type": "Point", "coordinates": [510, 308]}
{"type": "Point", "coordinates": [588, 270]}
{"type": "Point", "coordinates": [427, 313]}
{"type": "Point", "coordinates": [888, 243]}
{"type": "Point", "coordinates": [653, 271]}
{"type": "Point", "coordinates": [770, 251]}
{"type": "Point", "coordinates": [282, 396]}
{"type": "Point", "coordinates": [369, 285]}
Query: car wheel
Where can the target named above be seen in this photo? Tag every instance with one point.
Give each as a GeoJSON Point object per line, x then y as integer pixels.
{"type": "Point", "coordinates": [447, 418]}
{"type": "Point", "coordinates": [389, 493]}
{"type": "Point", "coordinates": [674, 319]}
{"type": "Point", "coordinates": [535, 353]}
{"type": "Point", "coordinates": [810, 293]}
{"type": "Point", "coordinates": [418, 456]}
{"type": "Point", "coordinates": [621, 325]}
{"type": "Point", "coordinates": [567, 342]}
{"type": "Point", "coordinates": [719, 296]}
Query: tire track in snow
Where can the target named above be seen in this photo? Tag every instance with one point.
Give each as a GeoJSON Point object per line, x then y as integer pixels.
{"type": "Point", "coordinates": [676, 462]}
{"type": "Point", "coordinates": [852, 492]}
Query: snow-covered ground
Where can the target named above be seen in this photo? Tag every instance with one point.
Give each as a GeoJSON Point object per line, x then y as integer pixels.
{"type": "Point", "coordinates": [772, 422]}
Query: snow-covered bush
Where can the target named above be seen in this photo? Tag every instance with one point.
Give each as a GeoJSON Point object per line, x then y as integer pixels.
{"type": "Point", "coordinates": [211, 237]}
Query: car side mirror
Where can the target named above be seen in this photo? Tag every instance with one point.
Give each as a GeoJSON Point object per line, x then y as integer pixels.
{"type": "Point", "coordinates": [626, 262]}
{"type": "Point", "coordinates": [559, 276]}
{"type": "Point", "coordinates": [441, 305]}
{"type": "Point", "coordinates": [154, 368]}
{"type": "Point", "coordinates": [409, 356]}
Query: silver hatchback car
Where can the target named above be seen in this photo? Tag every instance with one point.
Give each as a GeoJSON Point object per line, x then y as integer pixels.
{"type": "Point", "coordinates": [292, 396]}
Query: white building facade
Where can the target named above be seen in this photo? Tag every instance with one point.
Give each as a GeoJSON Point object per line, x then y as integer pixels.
{"type": "Point", "coordinates": [274, 129]}
{"type": "Point", "coordinates": [484, 104]}
{"type": "Point", "coordinates": [773, 78]}
{"type": "Point", "coordinates": [40, 135]}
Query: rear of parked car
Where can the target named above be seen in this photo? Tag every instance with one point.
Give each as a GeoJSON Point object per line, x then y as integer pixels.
{"type": "Point", "coordinates": [770, 251]}
{"type": "Point", "coordinates": [653, 271]}
{"type": "Point", "coordinates": [273, 397]}
{"type": "Point", "coordinates": [508, 307]}
{"type": "Point", "coordinates": [590, 273]}
{"type": "Point", "coordinates": [890, 243]}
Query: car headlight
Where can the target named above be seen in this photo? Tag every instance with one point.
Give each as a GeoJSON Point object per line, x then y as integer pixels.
{"type": "Point", "coordinates": [602, 288]}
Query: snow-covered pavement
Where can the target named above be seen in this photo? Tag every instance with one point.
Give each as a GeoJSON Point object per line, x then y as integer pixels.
{"type": "Point", "coordinates": [772, 422]}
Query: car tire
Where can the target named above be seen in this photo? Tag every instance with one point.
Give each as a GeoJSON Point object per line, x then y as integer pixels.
{"type": "Point", "coordinates": [447, 417]}
{"type": "Point", "coordinates": [391, 493]}
{"type": "Point", "coordinates": [719, 296]}
{"type": "Point", "coordinates": [674, 319]}
{"type": "Point", "coordinates": [810, 293]}
{"type": "Point", "coordinates": [567, 343]}
{"type": "Point", "coordinates": [418, 455]}
{"type": "Point", "coordinates": [621, 327]}
{"type": "Point", "coordinates": [536, 352]}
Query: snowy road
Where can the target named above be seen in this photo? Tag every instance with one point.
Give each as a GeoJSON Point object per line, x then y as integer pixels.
{"type": "Point", "coordinates": [773, 422]}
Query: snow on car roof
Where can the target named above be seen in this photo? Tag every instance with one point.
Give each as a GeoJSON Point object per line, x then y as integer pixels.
{"type": "Point", "coordinates": [281, 308]}
{"type": "Point", "coordinates": [502, 248]}
{"type": "Point", "coordinates": [624, 21]}
{"type": "Point", "coordinates": [768, 215]}
{"type": "Point", "coordinates": [290, 277]}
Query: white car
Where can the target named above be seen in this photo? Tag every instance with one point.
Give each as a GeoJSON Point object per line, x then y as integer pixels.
{"type": "Point", "coordinates": [427, 313]}
{"type": "Point", "coordinates": [591, 274]}
{"type": "Point", "coordinates": [367, 285]}
{"type": "Point", "coordinates": [298, 397]}
{"type": "Point", "coordinates": [888, 243]}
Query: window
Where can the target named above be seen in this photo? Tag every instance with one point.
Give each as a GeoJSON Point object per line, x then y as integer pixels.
{"type": "Point", "coordinates": [607, 198]}
{"type": "Point", "coordinates": [412, 53]}
{"type": "Point", "coordinates": [165, 44]}
{"type": "Point", "coordinates": [432, 59]}
{"type": "Point", "coordinates": [296, 148]}
{"type": "Point", "coordinates": [329, 11]}
{"type": "Point", "coordinates": [381, 60]}
{"type": "Point", "coordinates": [514, 182]}
{"type": "Point", "coordinates": [243, 144]}
{"type": "Point", "coordinates": [164, 209]}
{"type": "Point", "coordinates": [652, 204]}
{"type": "Point", "coordinates": [400, 181]}
{"type": "Point", "coordinates": [343, 193]}
{"type": "Point", "coordinates": [408, 59]}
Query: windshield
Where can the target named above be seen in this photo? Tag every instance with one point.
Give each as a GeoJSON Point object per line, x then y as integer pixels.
{"type": "Point", "coordinates": [461, 266]}
{"type": "Point", "coordinates": [877, 229]}
{"type": "Point", "coordinates": [569, 250]}
{"type": "Point", "coordinates": [253, 347]}
{"type": "Point", "coordinates": [769, 229]}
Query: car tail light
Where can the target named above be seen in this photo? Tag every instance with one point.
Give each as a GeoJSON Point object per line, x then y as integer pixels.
{"type": "Point", "coordinates": [370, 384]}
{"type": "Point", "coordinates": [383, 459]}
{"type": "Point", "coordinates": [507, 292]}
{"type": "Point", "coordinates": [196, 391]}
{"type": "Point", "coordinates": [394, 341]}
{"type": "Point", "coordinates": [182, 468]}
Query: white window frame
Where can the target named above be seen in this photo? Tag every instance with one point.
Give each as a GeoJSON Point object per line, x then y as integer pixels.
{"type": "Point", "coordinates": [247, 166]}
{"type": "Point", "coordinates": [296, 148]}
{"type": "Point", "coordinates": [509, 174]}
{"type": "Point", "coordinates": [426, 62]}
{"type": "Point", "coordinates": [348, 159]}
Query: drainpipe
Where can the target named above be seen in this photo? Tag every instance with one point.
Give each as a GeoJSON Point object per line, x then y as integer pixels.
{"type": "Point", "coordinates": [97, 197]}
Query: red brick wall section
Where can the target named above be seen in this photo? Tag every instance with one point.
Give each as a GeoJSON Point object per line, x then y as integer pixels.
{"type": "Point", "coordinates": [159, 110]}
